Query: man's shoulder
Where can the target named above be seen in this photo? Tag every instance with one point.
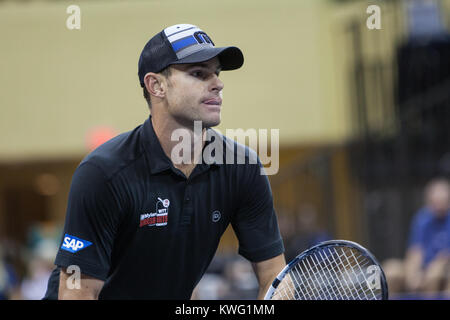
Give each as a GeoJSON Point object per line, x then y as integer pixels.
{"type": "Point", "coordinates": [423, 216]}
{"type": "Point", "coordinates": [117, 153]}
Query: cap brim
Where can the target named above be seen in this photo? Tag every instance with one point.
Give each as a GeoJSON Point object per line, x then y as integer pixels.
{"type": "Point", "coordinates": [230, 58]}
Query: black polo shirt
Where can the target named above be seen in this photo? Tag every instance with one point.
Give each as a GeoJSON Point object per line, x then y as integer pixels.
{"type": "Point", "coordinates": [136, 222]}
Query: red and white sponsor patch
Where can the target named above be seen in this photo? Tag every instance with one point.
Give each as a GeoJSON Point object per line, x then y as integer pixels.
{"type": "Point", "coordinates": [158, 218]}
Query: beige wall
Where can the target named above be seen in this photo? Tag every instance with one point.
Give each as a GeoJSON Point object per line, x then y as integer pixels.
{"type": "Point", "coordinates": [56, 84]}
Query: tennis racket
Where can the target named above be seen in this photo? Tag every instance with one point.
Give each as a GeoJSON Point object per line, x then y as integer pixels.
{"type": "Point", "coordinates": [331, 270]}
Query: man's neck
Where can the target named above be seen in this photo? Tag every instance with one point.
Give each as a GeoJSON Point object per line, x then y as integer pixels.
{"type": "Point", "coordinates": [168, 132]}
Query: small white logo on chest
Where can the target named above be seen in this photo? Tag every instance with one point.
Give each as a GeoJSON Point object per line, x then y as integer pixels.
{"type": "Point", "coordinates": [216, 216]}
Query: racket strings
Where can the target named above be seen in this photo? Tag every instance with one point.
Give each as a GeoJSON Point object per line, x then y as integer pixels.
{"type": "Point", "coordinates": [358, 287]}
{"type": "Point", "coordinates": [353, 277]}
{"type": "Point", "coordinates": [372, 294]}
{"type": "Point", "coordinates": [354, 291]}
{"type": "Point", "coordinates": [343, 284]}
{"type": "Point", "coordinates": [336, 273]}
{"type": "Point", "coordinates": [332, 288]}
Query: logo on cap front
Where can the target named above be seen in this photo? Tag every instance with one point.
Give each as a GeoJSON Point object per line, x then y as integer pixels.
{"type": "Point", "coordinates": [187, 39]}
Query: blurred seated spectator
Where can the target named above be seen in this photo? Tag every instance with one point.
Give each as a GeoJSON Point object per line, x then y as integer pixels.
{"type": "Point", "coordinates": [426, 268]}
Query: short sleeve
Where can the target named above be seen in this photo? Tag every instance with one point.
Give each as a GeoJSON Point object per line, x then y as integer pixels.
{"type": "Point", "coordinates": [255, 222]}
{"type": "Point", "coordinates": [92, 219]}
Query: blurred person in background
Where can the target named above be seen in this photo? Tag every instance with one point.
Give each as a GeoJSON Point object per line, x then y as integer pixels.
{"type": "Point", "coordinates": [39, 269]}
{"type": "Point", "coordinates": [426, 267]}
{"type": "Point", "coordinates": [211, 287]}
{"type": "Point", "coordinates": [43, 231]}
{"type": "Point", "coordinates": [427, 258]}
{"type": "Point", "coordinates": [241, 279]}
{"type": "Point", "coordinates": [41, 247]}
{"type": "Point", "coordinates": [229, 277]}
{"type": "Point", "coordinates": [307, 232]}
{"type": "Point", "coordinates": [214, 285]}
{"type": "Point", "coordinates": [8, 279]}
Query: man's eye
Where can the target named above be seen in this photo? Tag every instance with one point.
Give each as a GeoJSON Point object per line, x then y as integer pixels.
{"type": "Point", "coordinates": [198, 74]}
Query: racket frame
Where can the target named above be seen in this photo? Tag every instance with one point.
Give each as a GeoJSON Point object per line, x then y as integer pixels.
{"type": "Point", "coordinates": [330, 243]}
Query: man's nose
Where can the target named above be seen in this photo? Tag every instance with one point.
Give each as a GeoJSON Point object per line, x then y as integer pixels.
{"type": "Point", "coordinates": [217, 84]}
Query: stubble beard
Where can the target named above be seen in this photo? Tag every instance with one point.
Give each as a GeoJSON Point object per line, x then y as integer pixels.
{"type": "Point", "coordinates": [188, 120]}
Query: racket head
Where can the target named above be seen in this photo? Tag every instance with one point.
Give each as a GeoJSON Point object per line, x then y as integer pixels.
{"type": "Point", "coordinates": [331, 270]}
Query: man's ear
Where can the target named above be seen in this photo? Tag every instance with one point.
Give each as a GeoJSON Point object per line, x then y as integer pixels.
{"type": "Point", "coordinates": [154, 84]}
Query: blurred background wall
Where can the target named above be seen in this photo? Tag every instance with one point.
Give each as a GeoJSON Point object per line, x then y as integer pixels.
{"type": "Point", "coordinates": [363, 114]}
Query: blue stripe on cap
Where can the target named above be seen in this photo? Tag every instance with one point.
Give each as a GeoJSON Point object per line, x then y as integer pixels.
{"type": "Point", "coordinates": [183, 43]}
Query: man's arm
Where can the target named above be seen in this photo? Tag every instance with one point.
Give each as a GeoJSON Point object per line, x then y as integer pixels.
{"type": "Point", "coordinates": [89, 287]}
{"type": "Point", "coordinates": [266, 271]}
{"type": "Point", "coordinates": [413, 268]}
{"type": "Point", "coordinates": [93, 215]}
{"type": "Point", "coordinates": [436, 273]}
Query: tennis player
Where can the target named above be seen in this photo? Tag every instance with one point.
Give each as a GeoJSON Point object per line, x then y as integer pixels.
{"type": "Point", "coordinates": [140, 225]}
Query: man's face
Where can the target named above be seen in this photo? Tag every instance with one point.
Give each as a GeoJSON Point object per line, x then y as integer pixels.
{"type": "Point", "coordinates": [194, 93]}
{"type": "Point", "coordinates": [438, 199]}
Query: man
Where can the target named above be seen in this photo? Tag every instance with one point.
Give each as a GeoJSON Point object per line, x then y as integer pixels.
{"type": "Point", "coordinates": [140, 223]}
{"type": "Point", "coordinates": [426, 267]}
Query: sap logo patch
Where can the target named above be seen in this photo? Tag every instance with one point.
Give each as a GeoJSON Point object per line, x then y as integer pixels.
{"type": "Point", "coordinates": [74, 244]}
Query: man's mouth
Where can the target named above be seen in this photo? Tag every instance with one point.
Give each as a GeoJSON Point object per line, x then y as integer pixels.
{"type": "Point", "coordinates": [213, 101]}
